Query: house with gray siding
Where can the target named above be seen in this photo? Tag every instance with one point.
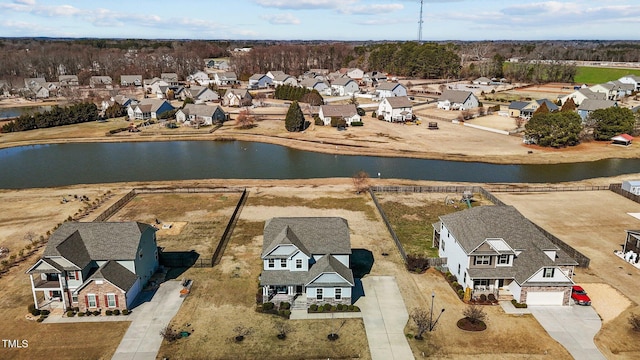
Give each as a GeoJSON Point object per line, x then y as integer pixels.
{"type": "Point", "coordinates": [306, 261]}
{"type": "Point", "coordinates": [94, 265]}
{"type": "Point", "coordinates": [496, 250]}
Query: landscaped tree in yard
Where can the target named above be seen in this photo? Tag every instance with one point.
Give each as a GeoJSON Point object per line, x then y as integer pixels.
{"type": "Point", "coordinates": [543, 109]}
{"type": "Point", "coordinates": [295, 118]}
{"type": "Point", "coordinates": [568, 106]}
{"type": "Point", "coordinates": [612, 121]}
{"type": "Point", "coordinates": [557, 129]}
{"type": "Point", "coordinates": [361, 181]}
{"type": "Point", "coordinates": [421, 318]}
{"type": "Point", "coordinates": [245, 120]}
{"type": "Point", "coordinates": [474, 313]}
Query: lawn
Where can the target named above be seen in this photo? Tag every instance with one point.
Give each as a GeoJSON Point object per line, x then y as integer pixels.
{"type": "Point", "coordinates": [595, 75]}
{"type": "Point", "coordinates": [411, 217]}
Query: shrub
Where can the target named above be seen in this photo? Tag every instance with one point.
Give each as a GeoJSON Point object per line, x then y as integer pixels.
{"type": "Point", "coordinates": [76, 309]}
{"type": "Point", "coordinates": [327, 307]}
{"type": "Point", "coordinates": [333, 308]}
{"type": "Point", "coordinates": [40, 320]}
{"type": "Point", "coordinates": [340, 307]}
{"type": "Point", "coordinates": [356, 309]}
{"type": "Point", "coordinates": [96, 313]}
{"type": "Point", "coordinates": [287, 313]}
{"type": "Point", "coordinates": [373, 115]}
{"type": "Point", "coordinates": [460, 294]}
{"type": "Point", "coordinates": [357, 123]}
{"type": "Point", "coordinates": [35, 312]}
{"type": "Point", "coordinates": [409, 336]}
{"type": "Point", "coordinates": [475, 314]}
{"type": "Point", "coordinates": [360, 111]}
{"type": "Point", "coordinates": [313, 307]}
{"type": "Point", "coordinates": [334, 122]}
{"type": "Point", "coordinates": [318, 121]}
{"type": "Point", "coordinates": [70, 313]}
{"type": "Point", "coordinates": [634, 321]}
{"type": "Point", "coordinates": [88, 313]}
{"type": "Point", "coordinates": [518, 305]}
{"type": "Point", "coordinates": [380, 117]}
{"type": "Point", "coordinates": [108, 312]}
{"type": "Point", "coordinates": [285, 305]}
{"type": "Point", "coordinates": [483, 297]}
{"type": "Point", "coordinates": [350, 307]}
{"type": "Point", "coordinates": [45, 312]}
{"type": "Point", "coordinates": [80, 314]}
{"type": "Point", "coordinates": [491, 297]}
{"type": "Point", "coordinates": [125, 312]}
{"type": "Point", "coordinates": [455, 284]}
{"type": "Point", "coordinates": [31, 307]}
{"type": "Point", "coordinates": [268, 306]}
{"type": "Point", "coordinates": [116, 312]}
{"type": "Point", "coordinates": [417, 264]}
{"type": "Point", "coordinates": [320, 309]}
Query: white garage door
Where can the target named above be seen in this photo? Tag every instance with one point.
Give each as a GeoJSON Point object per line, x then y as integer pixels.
{"type": "Point", "coordinates": [545, 298]}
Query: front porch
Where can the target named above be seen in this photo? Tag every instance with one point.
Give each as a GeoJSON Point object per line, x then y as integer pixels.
{"type": "Point", "coordinates": [48, 291]}
{"type": "Point", "coordinates": [283, 293]}
{"type": "Point", "coordinates": [499, 288]}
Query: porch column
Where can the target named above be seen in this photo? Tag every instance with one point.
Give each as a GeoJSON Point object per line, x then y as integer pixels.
{"type": "Point", "coordinates": [33, 291]}
{"type": "Point", "coordinates": [62, 292]}
{"type": "Point", "coordinates": [265, 291]}
{"type": "Point", "coordinates": [291, 290]}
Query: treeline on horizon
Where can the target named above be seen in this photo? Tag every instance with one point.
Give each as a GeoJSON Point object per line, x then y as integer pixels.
{"type": "Point", "coordinates": [40, 57]}
{"type": "Point", "coordinates": [57, 116]}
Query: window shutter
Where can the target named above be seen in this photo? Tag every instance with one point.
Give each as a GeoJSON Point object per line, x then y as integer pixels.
{"type": "Point", "coordinates": [97, 301]}
{"type": "Point", "coordinates": [106, 300]}
{"type": "Point", "coordinates": [86, 300]}
{"type": "Point", "coordinates": [116, 300]}
{"type": "Point", "coordinates": [77, 275]}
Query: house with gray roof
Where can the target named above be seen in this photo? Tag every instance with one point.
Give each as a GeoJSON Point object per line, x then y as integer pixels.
{"type": "Point", "coordinates": [396, 109]}
{"type": "Point", "coordinates": [315, 84]}
{"type": "Point", "coordinates": [147, 109]}
{"type": "Point", "coordinates": [457, 100]}
{"type": "Point", "coordinates": [170, 78]}
{"type": "Point", "coordinates": [101, 82]}
{"type": "Point", "coordinates": [201, 115]}
{"type": "Point", "coordinates": [347, 112]}
{"type": "Point", "coordinates": [225, 78]}
{"type": "Point", "coordinates": [525, 109]}
{"type": "Point", "coordinates": [130, 80]}
{"type": "Point", "coordinates": [631, 79]}
{"type": "Point", "coordinates": [94, 265]}
{"type": "Point", "coordinates": [496, 250]}
{"type": "Point", "coordinates": [68, 80]}
{"type": "Point", "coordinates": [259, 81]}
{"type": "Point", "coordinates": [344, 86]}
{"type": "Point", "coordinates": [588, 106]}
{"type": "Point", "coordinates": [390, 89]}
{"type": "Point", "coordinates": [583, 94]}
{"type": "Point", "coordinates": [306, 261]}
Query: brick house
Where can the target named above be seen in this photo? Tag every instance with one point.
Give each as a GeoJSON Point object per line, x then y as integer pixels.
{"type": "Point", "coordinates": [93, 266]}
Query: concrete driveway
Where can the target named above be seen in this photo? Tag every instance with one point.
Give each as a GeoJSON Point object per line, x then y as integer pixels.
{"type": "Point", "coordinates": [572, 326]}
{"type": "Point", "coordinates": [385, 316]}
{"type": "Point", "coordinates": [142, 340]}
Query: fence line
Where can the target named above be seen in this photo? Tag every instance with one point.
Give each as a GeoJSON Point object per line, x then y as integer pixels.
{"type": "Point", "coordinates": [105, 215]}
{"type": "Point", "coordinates": [617, 188]}
{"type": "Point", "coordinates": [222, 245]}
{"type": "Point", "coordinates": [386, 222]}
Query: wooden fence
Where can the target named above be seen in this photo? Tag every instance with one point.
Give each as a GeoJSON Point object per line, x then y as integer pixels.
{"type": "Point", "coordinates": [222, 244]}
{"type": "Point", "coordinates": [386, 222]}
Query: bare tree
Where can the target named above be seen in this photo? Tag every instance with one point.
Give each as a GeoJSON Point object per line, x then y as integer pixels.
{"type": "Point", "coordinates": [361, 181]}
{"type": "Point", "coordinates": [283, 328]}
{"type": "Point", "coordinates": [241, 331]}
{"type": "Point", "coordinates": [421, 318]}
{"type": "Point", "coordinates": [634, 321]}
{"type": "Point", "coordinates": [30, 236]}
{"type": "Point", "coordinates": [245, 119]}
{"type": "Point", "coordinates": [169, 334]}
{"type": "Point", "coordinates": [474, 313]}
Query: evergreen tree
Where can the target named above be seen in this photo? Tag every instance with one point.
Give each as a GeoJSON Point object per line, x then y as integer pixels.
{"type": "Point", "coordinates": [558, 129]}
{"type": "Point", "coordinates": [612, 121]}
{"type": "Point", "coordinates": [543, 109]}
{"type": "Point", "coordinates": [295, 118]}
{"type": "Point", "coordinates": [569, 106]}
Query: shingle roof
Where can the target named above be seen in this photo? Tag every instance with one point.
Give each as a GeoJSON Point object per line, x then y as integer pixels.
{"type": "Point", "coordinates": [388, 86]}
{"type": "Point", "coordinates": [257, 76]}
{"type": "Point", "coordinates": [590, 94]}
{"type": "Point", "coordinates": [319, 235]}
{"type": "Point", "coordinates": [339, 110]}
{"type": "Point", "coordinates": [455, 96]}
{"type": "Point", "coordinates": [343, 81]}
{"type": "Point", "coordinates": [329, 264]}
{"type": "Point", "coordinates": [116, 274]}
{"type": "Point", "coordinates": [101, 240]}
{"type": "Point", "coordinates": [286, 236]}
{"type": "Point", "coordinates": [199, 110]}
{"type": "Point", "coordinates": [518, 105]}
{"type": "Point", "coordinates": [591, 104]}
{"type": "Point", "coordinates": [151, 105]}
{"type": "Point", "coordinates": [399, 102]}
{"type": "Point", "coordinates": [473, 226]}
{"type": "Point", "coordinates": [169, 76]}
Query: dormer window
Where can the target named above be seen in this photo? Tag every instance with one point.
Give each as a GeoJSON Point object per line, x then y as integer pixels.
{"type": "Point", "coordinates": [548, 272]}
{"type": "Point", "coordinates": [503, 259]}
{"type": "Point", "coordinates": [483, 260]}
{"type": "Point", "coordinates": [298, 263]}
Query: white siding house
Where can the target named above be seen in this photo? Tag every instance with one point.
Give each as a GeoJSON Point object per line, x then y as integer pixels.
{"type": "Point", "coordinates": [495, 250]}
{"type": "Point", "coordinates": [348, 113]}
{"type": "Point", "coordinates": [389, 89]}
{"type": "Point", "coordinates": [396, 109]}
{"type": "Point", "coordinates": [457, 100]}
{"type": "Point", "coordinates": [344, 87]}
{"type": "Point", "coordinates": [632, 186]}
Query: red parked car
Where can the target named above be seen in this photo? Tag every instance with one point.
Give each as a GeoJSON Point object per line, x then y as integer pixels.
{"type": "Point", "coordinates": [580, 296]}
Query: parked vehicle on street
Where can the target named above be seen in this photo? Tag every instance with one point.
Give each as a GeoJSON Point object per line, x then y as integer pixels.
{"type": "Point", "coordinates": [580, 296]}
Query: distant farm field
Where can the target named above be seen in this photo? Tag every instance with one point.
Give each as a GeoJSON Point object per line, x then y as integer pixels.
{"type": "Point", "coordinates": [594, 75]}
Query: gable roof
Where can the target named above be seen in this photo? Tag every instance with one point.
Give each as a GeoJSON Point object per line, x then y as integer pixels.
{"type": "Point", "coordinates": [152, 105]}
{"type": "Point", "coordinates": [318, 235]}
{"type": "Point", "coordinates": [114, 273]}
{"type": "Point", "coordinates": [286, 236]}
{"type": "Point", "coordinates": [399, 102]}
{"type": "Point", "coordinates": [471, 227]}
{"type": "Point", "coordinates": [329, 264]}
{"type": "Point", "coordinates": [592, 105]}
{"type": "Point", "coordinates": [200, 110]}
{"type": "Point", "coordinates": [594, 95]}
{"type": "Point", "coordinates": [455, 96]}
{"type": "Point", "coordinates": [227, 75]}
{"type": "Point", "coordinates": [389, 86]}
{"type": "Point", "coordinates": [550, 104]}
{"type": "Point", "coordinates": [101, 241]}
{"type": "Point", "coordinates": [518, 105]}
{"type": "Point", "coordinates": [347, 110]}
{"type": "Point", "coordinates": [258, 76]}
{"type": "Point", "coordinates": [173, 77]}
{"type": "Point", "coordinates": [343, 81]}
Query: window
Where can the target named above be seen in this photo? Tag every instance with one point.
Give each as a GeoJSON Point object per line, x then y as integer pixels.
{"type": "Point", "coordinates": [72, 275]}
{"type": "Point", "coordinates": [503, 259]}
{"type": "Point", "coordinates": [91, 301]}
{"type": "Point", "coordinates": [111, 300]}
{"type": "Point", "coordinates": [140, 254]}
{"type": "Point", "coordinates": [548, 272]}
{"type": "Point", "coordinates": [442, 244]}
{"type": "Point", "coordinates": [74, 298]}
{"type": "Point", "coordinates": [283, 263]}
{"type": "Point", "coordinates": [272, 263]}
{"type": "Point", "coordinates": [483, 260]}
{"type": "Point", "coordinates": [319, 294]}
{"type": "Point", "coordinates": [458, 269]}
{"type": "Point", "coordinates": [298, 263]}
{"type": "Point", "coordinates": [338, 294]}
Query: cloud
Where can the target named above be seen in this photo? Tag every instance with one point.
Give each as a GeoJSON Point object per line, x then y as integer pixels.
{"type": "Point", "coordinates": [303, 4]}
{"type": "Point", "coordinates": [370, 9]}
{"type": "Point", "coordinates": [281, 19]}
{"type": "Point", "coordinates": [25, 2]}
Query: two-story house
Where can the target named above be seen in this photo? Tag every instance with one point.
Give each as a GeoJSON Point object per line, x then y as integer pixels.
{"type": "Point", "coordinates": [306, 261]}
{"type": "Point", "coordinates": [94, 265]}
{"type": "Point", "coordinates": [496, 250]}
{"type": "Point", "coordinates": [390, 89]}
{"type": "Point", "coordinates": [148, 109]}
{"type": "Point", "coordinates": [396, 109]}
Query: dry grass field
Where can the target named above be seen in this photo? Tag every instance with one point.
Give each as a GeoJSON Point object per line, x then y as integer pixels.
{"type": "Point", "coordinates": [594, 223]}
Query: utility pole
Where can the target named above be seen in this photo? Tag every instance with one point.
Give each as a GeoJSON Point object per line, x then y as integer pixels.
{"type": "Point", "coordinates": [420, 21]}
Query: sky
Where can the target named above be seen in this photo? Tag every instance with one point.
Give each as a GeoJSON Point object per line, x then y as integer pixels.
{"type": "Point", "coordinates": [323, 19]}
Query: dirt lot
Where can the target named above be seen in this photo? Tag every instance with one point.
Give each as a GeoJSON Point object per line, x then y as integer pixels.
{"type": "Point", "coordinates": [612, 283]}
